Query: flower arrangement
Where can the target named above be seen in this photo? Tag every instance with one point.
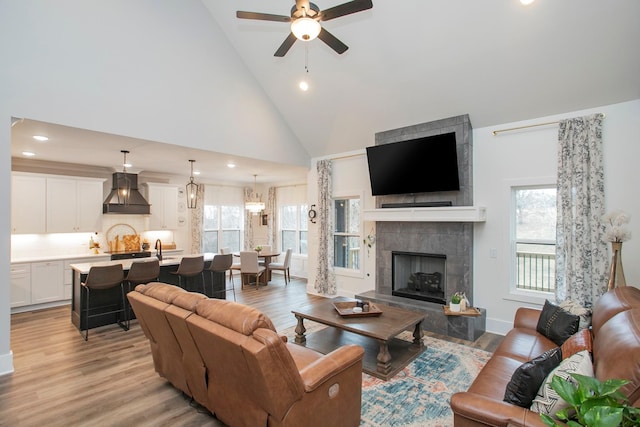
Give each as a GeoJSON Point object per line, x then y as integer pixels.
{"type": "Point", "coordinates": [616, 229]}
{"type": "Point", "coordinates": [258, 248]}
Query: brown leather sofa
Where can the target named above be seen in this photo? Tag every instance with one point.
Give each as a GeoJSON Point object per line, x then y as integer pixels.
{"type": "Point", "coordinates": [231, 360]}
{"type": "Point", "coordinates": [616, 354]}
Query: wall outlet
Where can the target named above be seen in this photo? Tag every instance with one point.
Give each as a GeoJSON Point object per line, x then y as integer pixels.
{"type": "Point", "coordinates": [493, 253]}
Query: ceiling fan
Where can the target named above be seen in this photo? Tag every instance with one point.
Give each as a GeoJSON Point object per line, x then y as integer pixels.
{"type": "Point", "coordinates": [305, 22]}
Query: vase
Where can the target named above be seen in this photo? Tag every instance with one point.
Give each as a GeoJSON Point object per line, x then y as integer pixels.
{"type": "Point", "coordinates": [616, 274]}
{"type": "Point", "coordinates": [454, 307]}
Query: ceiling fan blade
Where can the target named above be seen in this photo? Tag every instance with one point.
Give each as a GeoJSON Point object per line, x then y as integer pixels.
{"type": "Point", "coordinates": [332, 41]}
{"type": "Point", "coordinates": [286, 45]}
{"type": "Point", "coordinates": [345, 9]}
{"type": "Point", "coordinates": [262, 16]}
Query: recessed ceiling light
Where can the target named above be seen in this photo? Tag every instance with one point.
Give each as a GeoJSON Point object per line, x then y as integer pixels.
{"type": "Point", "coordinates": [127, 165]}
{"type": "Point", "coordinates": [231, 165]}
{"type": "Point", "coordinates": [28, 153]}
{"type": "Point", "coordinates": [304, 86]}
{"type": "Point", "coordinates": [196, 172]}
{"type": "Point", "coordinates": [526, 2]}
{"type": "Point", "coordinates": [40, 138]}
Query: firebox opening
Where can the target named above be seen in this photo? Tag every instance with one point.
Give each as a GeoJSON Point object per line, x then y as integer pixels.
{"type": "Point", "coordinates": [419, 276]}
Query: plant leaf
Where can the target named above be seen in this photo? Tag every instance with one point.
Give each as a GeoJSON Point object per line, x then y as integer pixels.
{"type": "Point", "coordinates": [601, 416]}
{"type": "Point", "coordinates": [566, 390]}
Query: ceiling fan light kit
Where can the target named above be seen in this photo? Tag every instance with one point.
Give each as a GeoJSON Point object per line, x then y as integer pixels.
{"type": "Point", "coordinates": [305, 22]}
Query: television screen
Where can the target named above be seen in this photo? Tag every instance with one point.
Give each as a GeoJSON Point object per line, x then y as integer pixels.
{"type": "Point", "coordinates": [420, 165]}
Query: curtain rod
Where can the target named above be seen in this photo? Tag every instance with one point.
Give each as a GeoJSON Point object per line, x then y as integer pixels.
{"type": "Point", "coordinates": [495, 132]}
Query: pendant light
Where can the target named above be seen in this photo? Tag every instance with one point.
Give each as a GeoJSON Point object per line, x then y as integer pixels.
{"type": "Point", "coordinates": [254, 205]}
{"type": "Point", "coordinates": [192, 190]}
{"type": "Point", "coordinates": [123, 182]}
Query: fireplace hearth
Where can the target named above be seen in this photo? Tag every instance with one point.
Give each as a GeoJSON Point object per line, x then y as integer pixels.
{"type": "Point", "coordinates": [420, 276]}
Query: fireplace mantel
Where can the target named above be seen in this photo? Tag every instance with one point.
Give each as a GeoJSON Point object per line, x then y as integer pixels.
{"type": "Point", "coordinates": [437, 214]}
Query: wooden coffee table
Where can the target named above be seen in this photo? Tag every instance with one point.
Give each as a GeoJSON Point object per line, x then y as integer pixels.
{"type": "Point", "coordinates": [385, 355]}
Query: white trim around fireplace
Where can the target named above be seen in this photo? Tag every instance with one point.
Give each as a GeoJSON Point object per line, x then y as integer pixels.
{"type": "Point", "coordinates": [437, 214]}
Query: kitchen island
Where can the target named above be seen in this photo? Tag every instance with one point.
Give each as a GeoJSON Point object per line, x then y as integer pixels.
{"type": "Point", "coordinates": [108, 299]}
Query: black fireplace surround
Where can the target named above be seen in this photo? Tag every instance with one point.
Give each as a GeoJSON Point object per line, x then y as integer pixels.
{"type": "Point", "coordinates": [420, 276]}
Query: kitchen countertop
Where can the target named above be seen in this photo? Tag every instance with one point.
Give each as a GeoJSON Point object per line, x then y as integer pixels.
{"type": "Point", "coordinates": [80, 256]}
{"type": "Point", "coordinates": [83, 268]}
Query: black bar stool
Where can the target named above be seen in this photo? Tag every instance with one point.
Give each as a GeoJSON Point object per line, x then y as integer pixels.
{"type": "Point", "coordinates": [100, 279]}
{"type": "Point", "coordinates": [220, 264]}
{"type": "Point", "coordinates": [191, 267]}
{"type": "Point", "coordinates": [142, 272]}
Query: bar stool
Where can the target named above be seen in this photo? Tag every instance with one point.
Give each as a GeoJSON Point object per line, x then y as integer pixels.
{"type": "Point", "coordinates": [234, 265]}
{"type": "Point", "coordinates": [249, 266]}
{"type": "Point", "coordinates": [100, 279]}
{"type": "Point", "coordinates": [142, 272]}
{"type": "Point", "coordinates": [220, 264]}
{"type": "Point", "coordinates": [191, 267]}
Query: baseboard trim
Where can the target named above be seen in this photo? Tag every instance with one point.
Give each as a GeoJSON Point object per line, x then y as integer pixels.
{"type": "Point", "coordinates": [6, 363]}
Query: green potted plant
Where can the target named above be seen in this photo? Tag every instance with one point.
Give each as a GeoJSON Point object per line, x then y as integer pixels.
{"type": "Point", "coordinates": [455, 302]}
{"type": "Point", "coordinates": [593, 403]}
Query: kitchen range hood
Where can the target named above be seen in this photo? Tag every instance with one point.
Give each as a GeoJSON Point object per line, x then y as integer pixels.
{"type": "Point", "coordinates": [134, 204]}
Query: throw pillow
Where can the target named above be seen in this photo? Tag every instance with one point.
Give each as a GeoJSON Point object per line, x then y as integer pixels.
{"type": "Point", "coordinates": [575, 308]}
{"type": "Point", "coordinates": [581, 340]}
{"type": "Point", "coordinates": [526, 380]}
{"type": "Point", "coordinates": [557, 324]}
{"type": "Point", "coordinates": [547, 400]}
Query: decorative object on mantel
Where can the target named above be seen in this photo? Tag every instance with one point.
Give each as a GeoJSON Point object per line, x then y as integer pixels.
{"type": "Point", "coordinates": [454, 306]}
{"type": "Point", "coordinates": [616, 233]}
{"type": "Point", "coordinates": [370, 240]}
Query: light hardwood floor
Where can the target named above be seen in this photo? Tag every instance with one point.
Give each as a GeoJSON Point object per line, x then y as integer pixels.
{"type": "Point", "coordinates": [61, 380]}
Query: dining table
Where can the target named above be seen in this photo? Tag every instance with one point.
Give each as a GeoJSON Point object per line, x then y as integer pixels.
{"type": "Point", "coordinates": [265, 256]}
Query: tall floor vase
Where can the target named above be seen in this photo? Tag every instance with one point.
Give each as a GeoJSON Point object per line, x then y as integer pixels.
{"type": "Point", "coordinates": [616, 276]}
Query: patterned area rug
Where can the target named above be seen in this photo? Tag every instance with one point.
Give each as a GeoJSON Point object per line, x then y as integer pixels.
{"type": "Point", "coordinates": [418, 396]}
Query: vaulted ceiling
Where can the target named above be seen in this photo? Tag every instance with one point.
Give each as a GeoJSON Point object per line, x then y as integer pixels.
{"type": "Point", "coordinates": [408, 62]}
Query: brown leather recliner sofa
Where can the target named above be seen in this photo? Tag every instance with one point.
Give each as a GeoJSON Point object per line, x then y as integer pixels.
{"type": "Point", "coordinates": [231, 360]}
{"type": "Point", "coordinates": [616, 354]}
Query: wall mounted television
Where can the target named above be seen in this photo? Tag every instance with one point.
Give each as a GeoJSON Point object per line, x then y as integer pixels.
{"type": "Point", "coordinates": [422, 165]}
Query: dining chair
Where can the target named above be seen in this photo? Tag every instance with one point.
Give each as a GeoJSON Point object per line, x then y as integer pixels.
{"type": "Point", "coordinates": [102, 278]}
{"type": "Point", "coordinates": [265, 249]}
{"type": "Point", "coordinates": [220, 264]}
{"type": "Point", "coordinates": [191, 266]}
{"type": "Point", "coordinates": [249, 267]}
{"type": "Point", "coordinates": [283, 266]}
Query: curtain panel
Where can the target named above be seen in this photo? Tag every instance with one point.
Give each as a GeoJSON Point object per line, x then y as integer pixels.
{"type": "Point", "coordinates": [325, 282]}
{"type": "Point", "coordinates": [271, 209]}
{"type": "Point", "coordinates": [581, 252]}
{"type": "Point", "coordinates": [248, 222]}
{"type": "Point", "coordinates": [197, 215]}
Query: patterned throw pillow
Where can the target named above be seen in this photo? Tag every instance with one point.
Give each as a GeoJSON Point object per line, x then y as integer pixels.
{"type": "Point", "coordinates": [547, 400]}
{"type": "Point", "coordinates": [580, 311]}
{"type": "Point", "coordinates": [557, 324]}
{"type": "Point", "coordinates": [526, 380]}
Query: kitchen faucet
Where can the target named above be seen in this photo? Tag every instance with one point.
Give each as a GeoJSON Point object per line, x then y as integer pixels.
{"type": "Point", "coordinates": [158, 248]}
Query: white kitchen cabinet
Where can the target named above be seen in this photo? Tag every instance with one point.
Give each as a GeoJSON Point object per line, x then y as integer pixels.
{"type": "Point", "coordinates": [46, 282]}
{"type": "Point", "coordinates": [28, 204]}
{"type": "Point", "coordinates": [74, 205]}
{"type": "Point", "coordinates": [164, 206]}
{"type": "Point", "coordinates": [20, 284]}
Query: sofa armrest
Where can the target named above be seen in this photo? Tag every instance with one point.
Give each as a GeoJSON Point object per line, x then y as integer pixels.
{"type": "Point", "coordinates": [482, 410]}
{"type": "Point", "coordinates": [316, 373]}
{"type": "Point", "coordinates": [526, 318]}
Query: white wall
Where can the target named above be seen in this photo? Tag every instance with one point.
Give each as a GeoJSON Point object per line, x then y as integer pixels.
{"type": "Point", "coordinates": [525, 156]}
{"type": "Point", "coordinates": [499, 161]}
{"type": "Point", "coordinates": [161, 71]}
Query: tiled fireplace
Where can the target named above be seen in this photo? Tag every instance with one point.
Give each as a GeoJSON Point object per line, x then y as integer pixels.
{"type": "Point", "coordinates": [437, 245]}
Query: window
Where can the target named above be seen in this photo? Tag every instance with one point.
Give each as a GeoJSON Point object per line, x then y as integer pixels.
{"type": "Point", "coordinates": [346, 235]}
{"type": "Point", "coordinates": [534, 241]}
{"type": "Point", "coordinates": [293, 228]}
{"type": "Point", "coordinates": [223, 220]}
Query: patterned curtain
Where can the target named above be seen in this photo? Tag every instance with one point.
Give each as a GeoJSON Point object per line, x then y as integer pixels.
{"type": "Point", "coordinates": [271, 211]}
{"type": "Point", "coordinates": [248, 222]}
{"type": "Point", "coordinates": [581, 253]}
{"type": "Point", "coordinates": [325, 278]}
{"type": "Point", "coordinates": [196, 222]}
